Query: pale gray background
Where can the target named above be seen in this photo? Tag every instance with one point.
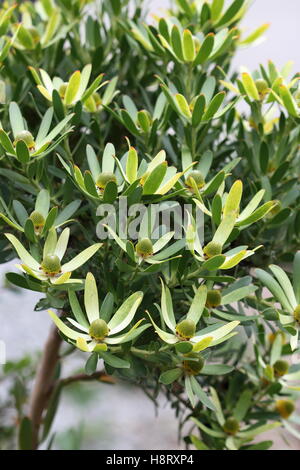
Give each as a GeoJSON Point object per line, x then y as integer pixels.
{"type": "Point", "coordinates": [132, 424]}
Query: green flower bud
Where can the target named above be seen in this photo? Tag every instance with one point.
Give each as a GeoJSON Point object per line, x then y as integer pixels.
{"type": "Point", "coordinates": [144, 177]}
{"type": "Point", "coordinates": [197, 177]}
{"type": "Point", "coordinates": [212, 249]}
{"type": "Point", "coordinates": [231, 426]}
{"type": "Point", "coordinates": [275, 210]}
{"type": "Point", "coordinates": [193, 367]}
{"type": "Point", "coordinates": [297, 97]}
{"type": "Point", "coordinates": [273, 336]}
{"type": "Point", "coordinates": [105, 178]}
{"type": "Point", "coordinates": [27, 137]}
{"type": "Point", "coordinates": [144, 248]}
{"type": "Point", "coordinates": [285, 408]}
{"type": "Point", "coordinates": [280, 368]}
{"type": "Point", "coordinates": [297, 314]}
{"type": "Point", "coordinates": [213, 298]}
{"type": "Point", "coordinates": [38, 220]}
{"type": "Point", "coordinates": [262, 87]}
{"type": "Point", "coordinates": [62, 90]}
{"type": "Point", "coordinates": [186, 329]}
{"type": "Point", "coordinates": [34, 34]}
{"type": "Point", "coordinates": [97, 99]}
{"type": "Point", "coordinates": [51, 264]}
{"type": "Point", "coordinates": [98, 329]}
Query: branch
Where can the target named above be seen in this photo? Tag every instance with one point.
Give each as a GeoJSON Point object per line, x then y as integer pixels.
{"type": "Point", "coordinates": [100, 375]}
{"type": "Point", "coordinates": [44, 383]}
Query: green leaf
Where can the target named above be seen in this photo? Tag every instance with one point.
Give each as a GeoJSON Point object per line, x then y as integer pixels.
{"type": "Point", "coordinates": [132, 165]}
{"type": "Point", "coordinates": [198, 110]}
{"type": "Point", "coordinates": [285, 283]}
{"type": "Point", "coordinates": [210, 432]}
{"type": "Point", "coordinates": [186, 7]}
{"type": "Point", "coordinates": [216, 369]}
{"type": "Point", "coordinates": [216, 9]}
{"type": "Point", "coordinates": [250, 87]}
{"type": "Point", "coordinates": [93, 162]}
{"type": "Point", "coordinates": [91, 364]}
{"type": "Point", "coordinates": [114, 361]}
{"type": "Point", "coordinates": [198, 444]}
{"type": "Point", "coordinates": [81, 258]}
{"type": "Point", "coordinates": [256, 215]}
{"type": "Point", "coordinates": [258, 430]}
{"type": "Point", "coordinates": [51, 410]}
{"type": "Point", "coordinates": [214, 106]}
{"type": "Point", "coordinates": [197, 305]}
{"type": "Point", "coordinates": [170, 376]}
{"type": "Point", "coordinates": [45, 126]}
{"type": "Point", "coordinates": [214, 263]}
{"type": "Point", "coordinates": [72, 88]}
{"type": "Point", "coordinates": [125, 314]}
{"type": "Point", "coordinates": [205, 400]}
{"type": "Point", "coordinates": [276, 350]}
{"type": "Point", "coordinates": [25, 434]}
{"type": "Point", "coordinates": [16, 119]}
{"type": "Point", "coordinates": [256, 34]}
{"type": "Point", "coordinates": [107, 307]}
{"type": "Point", "coordinates": [184, 347]}
{"type": "Point", "coordinates": [189, 390]}
{"type": "Point", "coordinates": [92, 88]}
{"type": "Point", "coordinates": [91, 301]}
{"type": "Point", "coordinates": [288, 100]}
{"type": "Point", "coordinates": [188, 46]}
{"type": "Point", "coordinates": [296, 276]}
{"type": "Point", "coordinates": [233, 199]}
{"type": "Point", "coordinates": [238, 294]}
{"type": "Point", "coordinates": [110, 192]}
{"type": "Point", "coordinates": [267, 280]}
{"type": "Point", "coordinates": [22, 152]}
{"type": "Point", "coordinates": [25, 38]}
{"type": "Point", "coordinates": [6, 142]}
{"type": "Point", "coordinates": [155, 179]}
{"type": "Point", "coordinates": [68, 332]}
{"type": "Point", "coordinates": [42, 203]}
{"type": "Point", "coordinates": [29, 231]}
{"type": "Point", "coordinates": [90, 184]}
{"type": "Point", "coordinates": [205, 49]}
{"type": "Point", "coordinates": [49, 222]}
{"type": "Point", "coordinates": [167, 307]}
{"type": "Point", "coordinates": [22, 252]}
{"type": "Point", "coordinates": [225, 228]}
{"type": "Point", "coordinates": [177, 43]}
{"type": "Point", "coordinates": [77, 310]}
{"type": "Point", "coordinates": [243, 405]}
{"type": "Point", "coordinates": [67, 212]}
{"type": "Point", "coordinates": [129, 123]}
{"type": "Point", "coordinates": [57, 129]}
{"type": "Point", "coordinates": [21, 281]}
{"type": "Point", "coordinates": [183, 106]}
{"type": "Point", "coordinates": [230, 13]}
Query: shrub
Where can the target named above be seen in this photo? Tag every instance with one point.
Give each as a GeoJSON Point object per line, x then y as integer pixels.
{"type": "Point", "coordinates": [125, 159]}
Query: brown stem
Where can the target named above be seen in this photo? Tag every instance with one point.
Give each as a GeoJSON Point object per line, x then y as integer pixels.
{"type": "Point", "coordinates": [44, 383]}
{"type": "Point", "coordinates": [100, 375]}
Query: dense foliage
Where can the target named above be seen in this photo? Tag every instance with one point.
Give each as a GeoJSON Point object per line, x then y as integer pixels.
{"type": "Point", "coordinates": [101, 105]}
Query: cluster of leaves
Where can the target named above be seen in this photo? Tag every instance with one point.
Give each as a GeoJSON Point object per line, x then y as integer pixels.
{"type": "Point", "coordinates": [183, 317]}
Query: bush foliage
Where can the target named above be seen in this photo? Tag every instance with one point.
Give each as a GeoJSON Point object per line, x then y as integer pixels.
{"type": "Point", "coordinates": [102, 103]}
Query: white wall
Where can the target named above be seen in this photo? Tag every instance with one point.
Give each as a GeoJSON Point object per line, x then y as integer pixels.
{"type": "Point", "coordinates": [282, 38]}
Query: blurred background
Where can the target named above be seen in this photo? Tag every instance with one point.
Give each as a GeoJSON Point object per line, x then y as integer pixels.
{"type": "Point", "coordinates": [122, 417]}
